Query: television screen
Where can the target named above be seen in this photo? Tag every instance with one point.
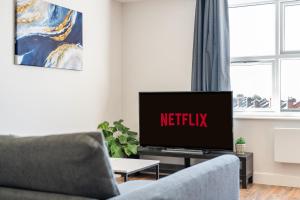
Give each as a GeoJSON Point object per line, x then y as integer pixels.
{"type": "Point", "coordinates": [194, 120]}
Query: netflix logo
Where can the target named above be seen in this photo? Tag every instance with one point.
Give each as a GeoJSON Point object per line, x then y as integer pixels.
{"type": "Point", "coordinates": [183, 119]}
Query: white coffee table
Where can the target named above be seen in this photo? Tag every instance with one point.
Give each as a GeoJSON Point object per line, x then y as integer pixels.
{"type": "Point", "coordinates": [126, 166]}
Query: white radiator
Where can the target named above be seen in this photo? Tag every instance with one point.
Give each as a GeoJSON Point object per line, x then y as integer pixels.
{"type": "Point", "coordinates": [287, 145]}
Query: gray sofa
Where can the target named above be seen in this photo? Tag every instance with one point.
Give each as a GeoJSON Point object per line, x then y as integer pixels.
{"type": "Point", "coordinates": [76, 167]}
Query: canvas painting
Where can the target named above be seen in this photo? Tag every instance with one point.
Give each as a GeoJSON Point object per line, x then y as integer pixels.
{"type": "Point", "coordinates": [48, 35]}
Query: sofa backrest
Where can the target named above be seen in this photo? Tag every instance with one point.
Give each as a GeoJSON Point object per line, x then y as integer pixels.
{"type": "Point", "coordinates": [71, 164]}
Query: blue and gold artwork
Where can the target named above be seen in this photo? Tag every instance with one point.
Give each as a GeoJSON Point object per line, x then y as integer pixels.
{"type": "Point", "coordinates": [48, 35]}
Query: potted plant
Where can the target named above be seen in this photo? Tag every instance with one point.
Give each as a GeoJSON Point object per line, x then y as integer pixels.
{"type": "Point", "coordinates": [240, 145]}
{"type": "Point", "coordinates": [120, 141]}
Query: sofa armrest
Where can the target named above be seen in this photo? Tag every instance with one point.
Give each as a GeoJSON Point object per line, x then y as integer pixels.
{"type": "Point", "coordinates": [216, 179]}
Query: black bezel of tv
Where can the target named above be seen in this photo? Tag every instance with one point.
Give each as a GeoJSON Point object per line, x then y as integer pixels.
{"type": "Point", "coordinates": [143, 144]}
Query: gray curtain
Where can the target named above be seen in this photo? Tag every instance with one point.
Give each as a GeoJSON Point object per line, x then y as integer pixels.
{"type": "Point", "coordinates": [211, 56]}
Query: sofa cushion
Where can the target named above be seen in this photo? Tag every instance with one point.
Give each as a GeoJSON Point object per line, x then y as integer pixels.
{"type": "Point", "coordinates": [72, 164]}
{"type": "Point", "coordinates": [130, 186]}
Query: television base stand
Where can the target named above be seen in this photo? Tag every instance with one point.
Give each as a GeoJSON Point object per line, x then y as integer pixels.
{"type": "Point", "coordinates": [246, 160]}
{"type": "Point", "coordinates": [187, 161]}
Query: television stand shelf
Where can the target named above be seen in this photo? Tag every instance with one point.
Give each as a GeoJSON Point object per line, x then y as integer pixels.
{"type": "Point", "coordinates": [246, 160]}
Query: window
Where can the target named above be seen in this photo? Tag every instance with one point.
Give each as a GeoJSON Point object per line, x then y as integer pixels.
{"type": "Point", "coordinates": [252, 30]}
{"type": "Point", "coordinates": [292, 28]}
{"type": "Point", "coordinates": [265, 55]}
{"type": "Point", "coordinates": [249, 93]}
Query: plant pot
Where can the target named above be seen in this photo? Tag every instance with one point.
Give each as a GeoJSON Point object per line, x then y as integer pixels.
{"type": "Point", "coordinates": [240, 148]}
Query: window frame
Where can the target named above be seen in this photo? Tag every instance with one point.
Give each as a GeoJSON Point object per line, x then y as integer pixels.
{"type": "Point", "coordinates": [279, 55]}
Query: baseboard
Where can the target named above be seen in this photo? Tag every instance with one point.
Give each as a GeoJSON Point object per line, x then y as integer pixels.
{"type": "Point", "coordinates": [276, 179]}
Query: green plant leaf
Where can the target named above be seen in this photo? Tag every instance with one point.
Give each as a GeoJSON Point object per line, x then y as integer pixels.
{"type": "Point", "coordinates": [132, 140]}
{"type": "Point", "coordinates": [123, 139]}
{"type": "Point", "coordinates": [125, 144]}
{"type": "Point", "coordinates": [131, 133]}
{"type": "Point", "coordinates": [127, 151]}
{"type": "Point", "coordinates": [240, 140]}
{"type": "Point", "coordinates": [119, 125]}
{"type": "Point", "coordinates": [118, 154]}
{"type": "Point", "coordinates": [110, 140]}
{"type": "Point", "coordinates": [111, 147]}
{"type": "Point", "coordinates": [120, 121]}
{"type": "Point", "coordinates": [132, 148]}
{"type": "Point", "coordinates": [113, 129]}
{"type": "Point", "coordinates": [116, 151]}
{"type": "Point", "coordinates": [125, 130]}
{"type": "Point", "coordinates": [104, 125]}
{"type": "Point", "coordinates": [107, 133]}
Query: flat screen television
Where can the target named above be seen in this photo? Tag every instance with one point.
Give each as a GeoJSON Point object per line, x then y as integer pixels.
{"type": "Point", "coordinates": [190, 120]}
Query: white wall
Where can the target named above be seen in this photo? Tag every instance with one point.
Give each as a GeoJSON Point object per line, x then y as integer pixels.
{"type": "Point", "coordinates": [157, 56]}
{"type": "Point", "coordinates": [38, 101]}
{"type": "Point", "coordinates": [260, 140]}
{"type": "Point", "coordinates": [157, 49]}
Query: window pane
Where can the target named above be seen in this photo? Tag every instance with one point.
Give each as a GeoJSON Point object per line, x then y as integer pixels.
{"type": "Point", "coordinates": [252, 86]}
{"type": "Point", "coordinates": [292, 28]}
{"type": "Point", "coordinates": [290, 85]}
{"type": "Point", "coordinates": [252, 30]}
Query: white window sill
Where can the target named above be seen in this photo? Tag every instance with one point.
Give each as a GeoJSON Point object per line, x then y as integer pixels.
{"type": "Point", "coordinates": [266, 115]}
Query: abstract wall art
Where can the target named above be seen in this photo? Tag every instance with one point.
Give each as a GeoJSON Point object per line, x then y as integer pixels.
{"type": "Point", "coordinates": [48, 35]}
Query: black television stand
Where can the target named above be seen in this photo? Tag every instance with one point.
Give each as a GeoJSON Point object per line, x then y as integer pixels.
{"type": "Point", "coordinates": [197, 151]}
{"type": "Point", "coordinates": [187, 161]}
{"type": "Point", "coordinates": [246, 166]}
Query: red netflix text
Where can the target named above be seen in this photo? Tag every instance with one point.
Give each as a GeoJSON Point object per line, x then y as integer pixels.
{"type": "Point", "coordinates": [183, 119]}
